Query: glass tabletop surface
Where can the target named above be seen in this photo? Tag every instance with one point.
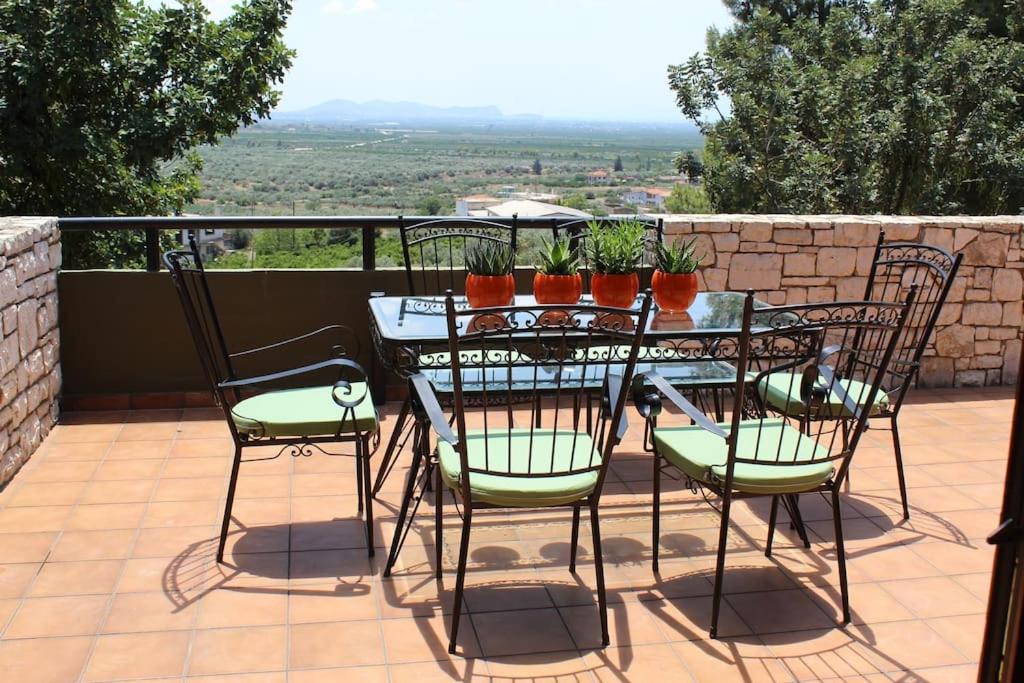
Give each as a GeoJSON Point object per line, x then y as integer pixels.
{"type": "Point", "coordinates": [412, 318]}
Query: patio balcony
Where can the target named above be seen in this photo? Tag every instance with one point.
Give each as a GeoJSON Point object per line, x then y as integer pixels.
{"type": "Point", "coordinates": [116, 468]}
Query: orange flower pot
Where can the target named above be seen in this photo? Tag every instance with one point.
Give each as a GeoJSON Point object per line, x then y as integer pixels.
{"type": "Point", "coordinates": [618, 291]}
{"type": "Point", "coordinates": [484, 291]}
{"type": "Point", "coordinates": [674, 292]}
{"type": "Point", "coordinates": [557, 289]}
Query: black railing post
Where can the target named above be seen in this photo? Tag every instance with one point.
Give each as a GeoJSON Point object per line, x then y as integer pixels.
{"type": "Point", "coordinates": [369, 247]}
{"type": "Point", "coordinates": [152, 249]}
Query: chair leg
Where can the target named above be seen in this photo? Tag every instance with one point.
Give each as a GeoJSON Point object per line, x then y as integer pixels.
{"type": "Point", "coordinates": [837, 517]}
{"type": "Point", "coordinates": [574, 543]}
{"type": "Point", "coordinates": [390, 452]}
{"type": "Point", "coordinates": [899, 468]}
{"type": "Point", "coordinates": [364, 492]}
{"type": "Point", "coordinates": [602, 596]}
{"type": "Point", "coordinates": [656, 511]}
{"type": "Point", "coordinates": [439, 488]}
{"type": "Point", "coordinates": [723, 537]}
{"type": "Point", "coordinates": [798, 520]}
{"type": "Point", "coordinates": [460, 576]}
{"type": "Point", "coordinates": [226, 522]}
{"type": "Point", "coordinates": [772, 517]}
{"type": "Point", "coordinates": [359, 480]}
{"type": "Point", "coordinates": [400, 523]}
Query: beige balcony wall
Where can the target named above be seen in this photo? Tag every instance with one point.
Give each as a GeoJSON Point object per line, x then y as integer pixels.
{"type": "Point", "coordinates": [30, 377]}
{"type": "Point", "coordinates": [797, 259]}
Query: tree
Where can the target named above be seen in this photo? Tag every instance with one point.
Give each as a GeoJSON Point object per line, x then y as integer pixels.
{"type": "Point", "coordinates": [537, 167]}
{"type": "Point", "coordinates": [617, 165]}
{"type": "Point", "coordinates": [576, 201]}
{"type": "Point", "coordinates": [685, 199]}
{"type": "Point", "coordinates": [688, 163]}
{"type": "Point", "coordinates": [429, 206]}
{"type": "Point", "coordinates": [862, 106]}
{"type": "Point", "coordinates": [103, 102]}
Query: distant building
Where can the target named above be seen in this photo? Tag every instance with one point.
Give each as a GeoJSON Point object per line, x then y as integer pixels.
{"type": "Point", "coordinates": [653, 197]}
{"type": "Point", "coordinates": [209, 240]}
{"type": "Point", "coordinates": [474, 202]}
{"type": "Point", "coordinates": [471, 205]}
{"type": "Point", "coordinates": [598, 177]}
{"type": "Point", "coordinates": [528, 208]}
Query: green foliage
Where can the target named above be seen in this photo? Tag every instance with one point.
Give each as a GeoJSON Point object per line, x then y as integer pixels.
{"type": "Point", "coordinates": [689, 163]}
{"type": "Point", "coordinates": [537, 168]}
{"type": "Point", "coordinates": [558, 258]}
{"type": "Point", "coordinates": [577, 200]}
{"type": "Point", "coordinates": [862, 106]}
{"type": "Point", "coordinates": [678, 257]}
{"type": "Point", "coordinates": [615, 248]}
{"type": "Point", "coordinates": [617, 165]}
{"type": "Point", "coordinates": [687, 199]}
{"type": "Point", "coordinates": [102, 103]}
{"type": "Point", "coordinates": [430, 206]}
{"type": "Point", "coordinates": [487, 257]}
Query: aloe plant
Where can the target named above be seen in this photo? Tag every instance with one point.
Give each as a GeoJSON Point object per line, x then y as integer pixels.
{"type": "Point", "coordinates": [558, 258]}
{"type": "Point", "coordinates": [617, 248]}
{"type": "Point", "coordinates": [489, 258]}
{"type": "Point", "coordinates": [677, 258]}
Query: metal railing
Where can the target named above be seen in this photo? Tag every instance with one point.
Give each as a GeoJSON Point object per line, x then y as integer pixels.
{"type": "Point", "coordinates": [367, 225]}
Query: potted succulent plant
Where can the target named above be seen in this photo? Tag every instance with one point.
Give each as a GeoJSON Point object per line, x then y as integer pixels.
{"type": "Point", "coordinates": [675, 277]}
{"type": "Point", "coordinates": [615, 252]}
{"type": "Point", "coordinates": [489, 279]}
{"type": "Point", "coordinates": [558, 280]}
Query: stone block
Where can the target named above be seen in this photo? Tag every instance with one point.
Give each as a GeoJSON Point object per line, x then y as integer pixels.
{"type": "Point", "coordinates": [955, 341]}
{"type": "Point", "coordinates": [988, 362]}
{"type": "Point", "coordinates": [791, 236]}
{"type": "Point", "coordinates": [970, 378]}
{"type": "Point", "coordinates": [755, 271]}
{"type": "Point", "coordinates": [978, 295]}
{"type": "Point", "coordinates": [982, 278]}
{"type": "Point", "coordinates": [938, 237]}
{"type": "Point", "coordinates": [10, 319]}
{"type": "Point", "coordinates": [1003, 333]}
{"type": "Point", "coordinates": [958, 289]}
{"type": "Point", "coordinates": [937, 372]}
{"type": "Point", "coordinates": [850, 233]}
{"type": "Point", "coordinates": [949, 314]}
{"type": "Point", "coordinates": [820, 294]}
{"type": "Point", "coordinates": [1007, 285]}
{"type": "Point", "coordinates": [799, 264]}
{"type": "Point", "coordinates": [837, 261]}
{"type": "Point", "coordinates": [756, 231]}
{"type": "Point", "coordinates": [10, 356]}
{"type": "Point", "coordinates": [987, 250]}
{"type": "Point", "coordinates": [715, 279]}
{"type": "Point", "coordinates": [851, 288]}
{"type": "Point", "coordinates": [56, 258]}
{"type": "Point", "coordinates": [964, 236]}
{"type": "Point", "coordinates": [990, 347]}
{"type": "Point", "coordinates": [904, 231]}
{"type": "Point", "coordinates": [982, 314]}
{"type": "Point", "coordinates": [710, 224]}
{"type": "Point", "coordinates": [795, 295]}
{"type": "Point", "coordinates": [824, 238]}
{"type": "Point", "coordinates": [981, 333]}
{"type": "Point", "coordinates": [8, 287]}
{"type": "Point", "coordinates": [36, 368]}
{"type": "Point", "coordinates": [1013, 313]}
{"type": "Point", "coordinates": [1011, 366]}
{"type": "Point", "coordinates": [28, 326]}
{"type": "Point", "coordinates": [678, 228]}
{"type": "Point", "coordinates": [726, 242]}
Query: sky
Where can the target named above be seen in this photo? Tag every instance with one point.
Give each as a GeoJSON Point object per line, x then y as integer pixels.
{"type": "Point", "coordinates": [570, 59]}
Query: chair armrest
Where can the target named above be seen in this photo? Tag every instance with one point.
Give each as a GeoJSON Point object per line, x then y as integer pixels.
{"type": "Point", "coordinates": [612, 391]}
{"type": "Point", "coordinates": [692, 411]}
{"type": "Point", "coordinates": [295, 372]}
{"type": "Point", "coordinates": [831, 383]}
{"type": "Point", "coordinates": [301, 337]}
{"type": "Point", "coordinates": [425, 403]}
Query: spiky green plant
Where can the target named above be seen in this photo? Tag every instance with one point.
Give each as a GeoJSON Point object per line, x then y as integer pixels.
{"type": "Point", "coordinates": [489, 258]}
{"type": "Point", "coordinates": [677, 258]}
{"type": "Point", "coordinates": [615, 248]}
{"type": "Point", "coordinates": [558, 258]}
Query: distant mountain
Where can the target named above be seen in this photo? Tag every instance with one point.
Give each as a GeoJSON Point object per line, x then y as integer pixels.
{"type": "Point", "coordinates": [338, 111]}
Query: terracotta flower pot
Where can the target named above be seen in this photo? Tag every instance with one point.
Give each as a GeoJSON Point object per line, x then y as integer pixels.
{"type": "Point", "coordinates": [484, 291]}
{"type": "Point", "coordinates": [674, 292]}
{"type": "Point", "coordinates": [557, 289]}
{"type": "Point", "coordinates": [618, 290]}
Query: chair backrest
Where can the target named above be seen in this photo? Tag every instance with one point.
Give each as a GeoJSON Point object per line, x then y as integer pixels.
{"type": "Point", "coordinates": [832, 356]}
{"type": "Point", "coordinates": [578, 233]}
{"type": "Point", "coordinates": [533, 376]}
{"type": "Point", "coordinates": [895, 268]}
{"type": "Point", "coordinates": [189, 277]}
{"type": "Point", "coordinates": [434, 250]}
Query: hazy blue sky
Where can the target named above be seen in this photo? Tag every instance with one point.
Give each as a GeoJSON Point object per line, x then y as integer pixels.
{"type": "Point", "coordinates": [585, 59]}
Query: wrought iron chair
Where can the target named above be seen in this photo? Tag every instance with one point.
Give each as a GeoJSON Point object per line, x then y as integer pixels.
{"type": "Point", "coordinates": [896, 266]}
{"type": "Point", "coordinates": [433, 251]}
{"type": "Point", "coordinates": [324, 402]}
{"type": "Point", "coordinates": [534, 449]}
{"type": "Point", "coordinates": [840, 350]}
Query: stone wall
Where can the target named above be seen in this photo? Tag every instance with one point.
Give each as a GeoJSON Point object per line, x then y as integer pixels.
{"type": "Point", "coordinates": [29, 351]}
{"type": "Point", "coordinates": [796, 259]}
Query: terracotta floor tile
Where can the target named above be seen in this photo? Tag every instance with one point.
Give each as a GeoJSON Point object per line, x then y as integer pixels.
{"type": "Point", "coordinates": [90, 577]}
{"type": "Point", "coordinates": [65, 433]}
{"type": "Point", "coordinates": [179, 514]}
{"type": "Point", "coordinates": [58, 493]}
{"type": "Point", "coordinates": [60, 471]}
{"type": "Point", "coordinates": [196, 467]}
{"type": "Point", "coordinates": [933, 597]}
{"type": "Point", "coordinates": [48, 518]}
{"type": "Point", "coordinates": [60, 616]}
{"type": "Point", "coordinates": [194, 488]}
{"type": "Point", "coordinates": [909, 645]}
{"type": "Point", "coordinates": [148, 431]}
{"type": "Point", "coordinates": [350, 643]}
{"type": "Point", "coordinates": [789, 610]}
{"type": "Point", "coordinates": [348, 601]}
{"type": "Point", "coordinates": [127, 491]}
{"type": "Point", "coordinates": [15, 579]}
{"type": "Point", "coordinates": [43, 660]}
{"type": "Point", "coordinates": [27, 546]}
{"type": "Point", "coordinates": [116, 470]}
{"type": "Point", "coordinates": [238, 650]}
{"type": "Point", "coordinates": [53, 452]}
{"type": "Point", "coordinates": [93, 545]}
{"type": "Point", "coordinates": [519, 632]}
{"type": "Point", "coordinates": [432, 672]}
{"type": "Point", "coordinates": [262, 486]}
{"type": "Point", "coordinates": [139, 450]}
{"type": "Point", "coordinates": [202, 448]}
{"type": "Point", "coordinates": [964, 632]}
{"type": "Point", "coordinates": [107, 516]}
{"type": "Point", "coordinates": [628, 663]}
{"type": "Point", "coordinates": [171, 541]}
{"type": "Point", "coordinates": [140, 612]}
{"type": "Point", "coordinates": [349, 674]}
{"type": "Point", "coordinates": [117, 657]}
{"type": "Point", "coordinates": [241, 607]}
{"type": "Point", "coordinates": [422, 639]}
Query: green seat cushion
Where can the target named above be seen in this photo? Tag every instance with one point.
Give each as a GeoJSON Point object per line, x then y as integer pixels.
{"type": "Point", "coordinates": [781, 392]}
{"type": "Point", "coordinates": [569, 451]}
{"type": "Point", "coordinates": [703, 456]}
{"type": "Point", "coordinates": [305, 412]}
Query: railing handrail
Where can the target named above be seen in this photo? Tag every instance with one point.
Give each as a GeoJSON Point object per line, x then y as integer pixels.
{"type": "Point", "coordinates": [368, 224]}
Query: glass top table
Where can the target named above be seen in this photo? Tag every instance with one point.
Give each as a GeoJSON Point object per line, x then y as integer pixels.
{"type": "Point", "coordinates": [690, 348]}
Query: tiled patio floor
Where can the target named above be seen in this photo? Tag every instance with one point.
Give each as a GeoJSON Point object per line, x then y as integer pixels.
{"type": "Point", "coordinates": [107, 571]}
